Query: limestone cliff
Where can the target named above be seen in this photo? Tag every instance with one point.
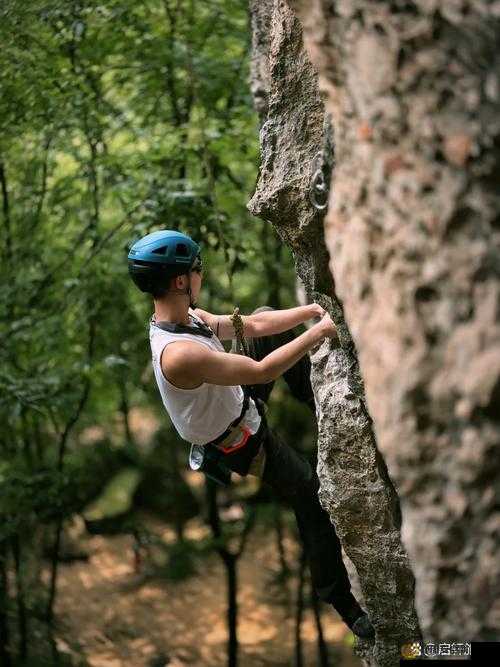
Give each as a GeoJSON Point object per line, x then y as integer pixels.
{"type": "Point", "coordinates": [413, 233]}
{"type": "Point", "coordinates": [355, 487]}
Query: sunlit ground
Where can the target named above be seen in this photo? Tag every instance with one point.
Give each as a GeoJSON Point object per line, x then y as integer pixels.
{"type": "Point", "coordinates": [119, 618]}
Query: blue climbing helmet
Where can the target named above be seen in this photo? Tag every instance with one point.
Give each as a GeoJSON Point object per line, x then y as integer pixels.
{"type": "Point", "coordinates": [160, 256]}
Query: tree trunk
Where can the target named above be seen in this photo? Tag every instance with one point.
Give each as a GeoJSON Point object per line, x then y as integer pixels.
{"type": "Point", "coordinates": [232, 609]}
{"type": "Point", "coordinates": [413, 234]}
{"type": "Point", "coordinates": [230, 563]}
{"type": "Point", "coordinates": [5, 654]}
{"type": "Point", "coordinates": [323, 660]}
{"type": "Point", "coordinates": [356, 489]}
{"type": "Point", "coordinates": [22, 618]}
{"type": "Point", "coordinates": [299, 612]}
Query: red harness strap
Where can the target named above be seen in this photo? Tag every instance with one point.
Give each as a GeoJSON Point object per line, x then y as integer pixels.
{"type": "Point", "coordinates": [245, 434]}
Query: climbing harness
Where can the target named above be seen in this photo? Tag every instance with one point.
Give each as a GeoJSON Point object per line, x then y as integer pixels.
{"type": "Point", "coordinates": [322, 166]}
{"type": "Point", "coordinates": [208, 458]}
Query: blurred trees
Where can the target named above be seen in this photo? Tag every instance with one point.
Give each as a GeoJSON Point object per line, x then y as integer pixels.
{"type": "Point", "coordinates": [116, 119]}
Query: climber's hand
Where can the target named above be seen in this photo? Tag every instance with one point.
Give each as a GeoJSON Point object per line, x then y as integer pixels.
{"type": "Point", "coordinates": [317, 310]}
{"type": "Point", "coordinates": [328, 328]}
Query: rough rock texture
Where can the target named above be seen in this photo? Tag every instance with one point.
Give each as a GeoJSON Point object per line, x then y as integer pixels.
{"type": "Point", "coordinates": [413, 234]}
{"type": "Point", "coordinates": [356, 489]}
{"type": "Point", "coordinates": [260, 83]}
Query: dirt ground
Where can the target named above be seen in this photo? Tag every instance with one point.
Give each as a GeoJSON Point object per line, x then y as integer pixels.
{"type": "Point", "coordinates": [118, 618]}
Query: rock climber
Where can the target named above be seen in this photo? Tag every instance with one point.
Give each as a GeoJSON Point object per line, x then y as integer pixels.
{"type": "Point", "coordinates": [203, 389]}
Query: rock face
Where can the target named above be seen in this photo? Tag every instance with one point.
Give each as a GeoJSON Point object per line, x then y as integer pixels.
{"type": "Point", "coordinates": [356, 489]}
{"type": "Point", "coordinates": [413, 231]}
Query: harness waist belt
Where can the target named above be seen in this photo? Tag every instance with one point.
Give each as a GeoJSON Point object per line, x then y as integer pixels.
{"type": "Point", "coordinates": [244, 408]}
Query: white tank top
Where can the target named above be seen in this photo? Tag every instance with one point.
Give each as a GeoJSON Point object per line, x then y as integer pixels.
{"type": "Point", "coordinates": [202, 414]}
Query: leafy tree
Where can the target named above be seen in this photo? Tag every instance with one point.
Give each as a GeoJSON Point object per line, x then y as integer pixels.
{"type": "Point", "coordinates": [116, 118]}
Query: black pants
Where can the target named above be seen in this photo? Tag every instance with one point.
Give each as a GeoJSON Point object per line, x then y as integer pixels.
{"type": "Point", "coordinates": [293, 478]}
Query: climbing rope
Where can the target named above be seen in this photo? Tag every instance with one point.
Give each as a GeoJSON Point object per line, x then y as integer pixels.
{"type": "Point", "coordinates": [237, 322]}
{"type": "Point", "coordinates": [259, 461]}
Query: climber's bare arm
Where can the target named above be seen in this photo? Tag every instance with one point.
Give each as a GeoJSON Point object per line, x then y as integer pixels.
{"type": "Point", "coordinates": [187, 364]}
{"type": "Point", "coordinates": [265, 323]}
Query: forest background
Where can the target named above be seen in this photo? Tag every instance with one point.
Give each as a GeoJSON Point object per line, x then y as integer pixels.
{"type": "Point", "coordinates": [116, 119]}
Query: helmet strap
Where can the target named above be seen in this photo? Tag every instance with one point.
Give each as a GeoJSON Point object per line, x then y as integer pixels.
{"type": "Point", "coordinates": [192, 304]}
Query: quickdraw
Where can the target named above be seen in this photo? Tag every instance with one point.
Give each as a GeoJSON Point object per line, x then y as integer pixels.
{"type": "Point", "coordinates": [321, 169]}
{"type": "Point", "coordinates": [318, 193]}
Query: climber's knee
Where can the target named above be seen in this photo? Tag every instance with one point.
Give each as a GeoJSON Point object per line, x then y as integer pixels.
{"type": "Point", "coordinates": [338, 592]}
{"type": "Point", "coordinates": [326, 593]}
{"type": "Point", "coordinates": [288, 472]}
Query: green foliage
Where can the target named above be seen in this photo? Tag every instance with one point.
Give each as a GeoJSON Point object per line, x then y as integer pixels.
{"type": "Point", "coordinates": [116, 119]}
{"type": "Point", "coordinates": [32, 495]}
{"type": "Point", "coordinates": [116, 497]}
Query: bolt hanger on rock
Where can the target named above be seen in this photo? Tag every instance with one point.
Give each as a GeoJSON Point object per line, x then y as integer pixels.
{"type": "Point", "coordinates": [322, 166]}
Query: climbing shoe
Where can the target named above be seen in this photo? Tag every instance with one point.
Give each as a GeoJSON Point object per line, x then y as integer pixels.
{"type": "Point", "coordinates": [353, 615]}
{"type": "Point", "coordinates": [362, 627]}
